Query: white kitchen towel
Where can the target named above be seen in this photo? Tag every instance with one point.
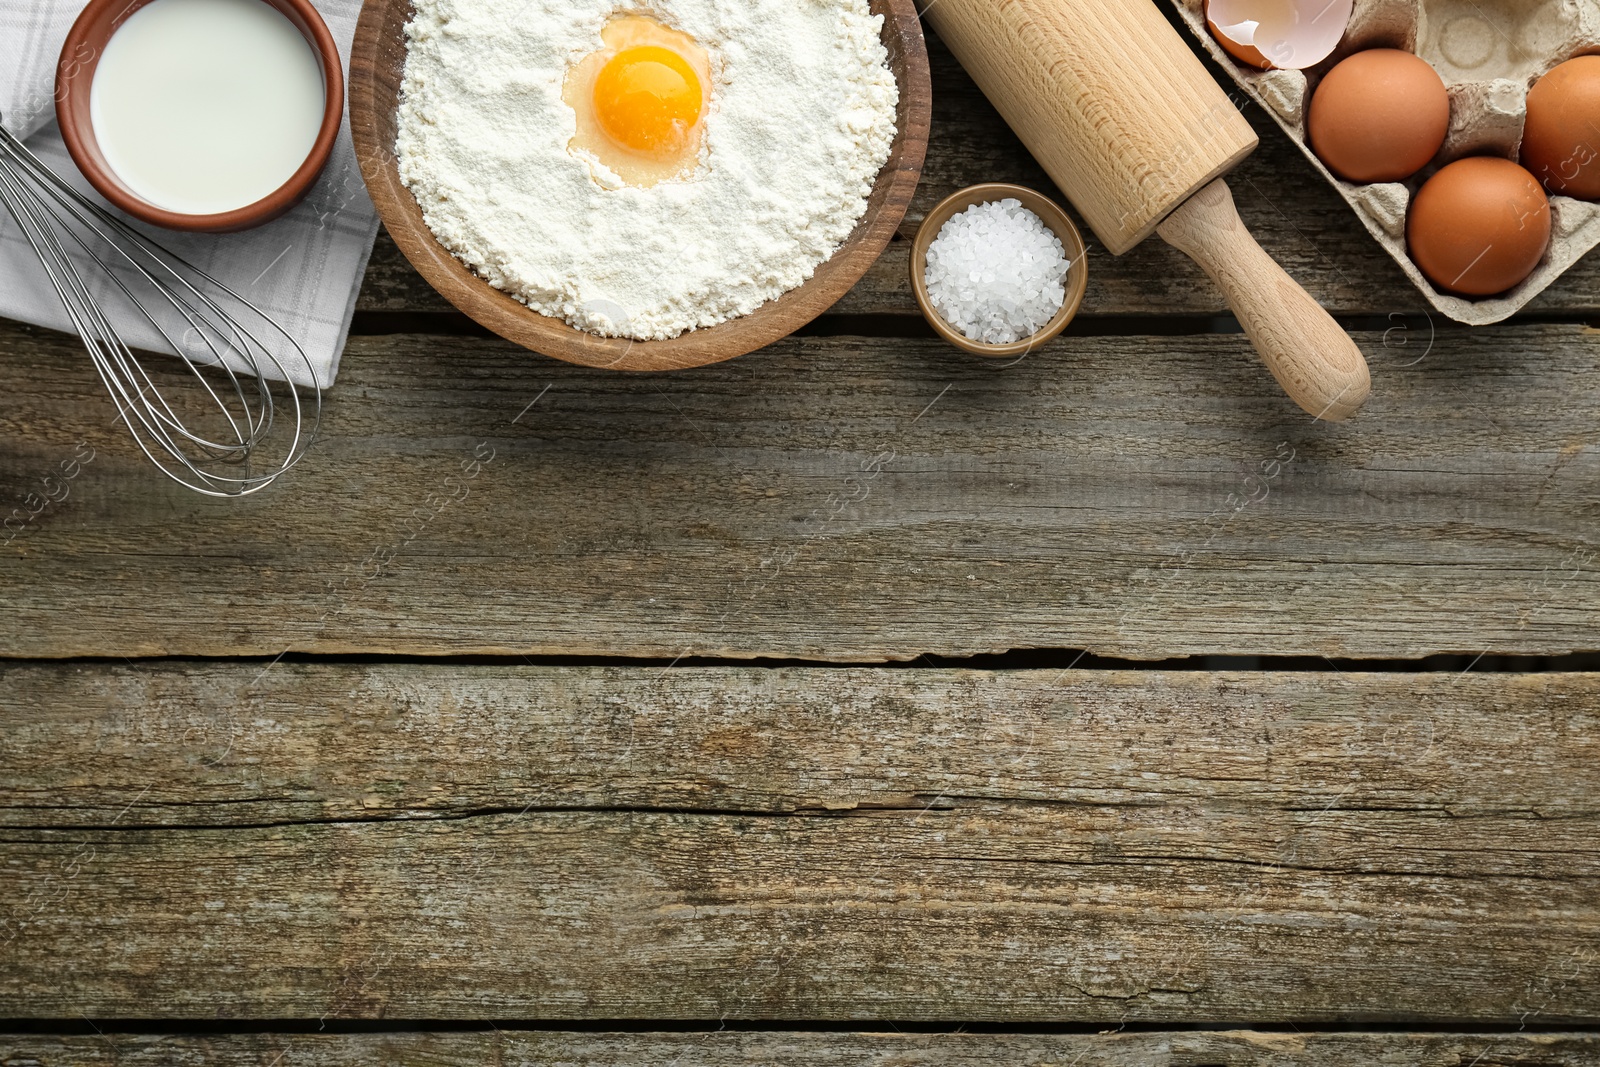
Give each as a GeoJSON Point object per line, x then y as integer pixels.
{"type": "Point", "coordinates": [304, 270]}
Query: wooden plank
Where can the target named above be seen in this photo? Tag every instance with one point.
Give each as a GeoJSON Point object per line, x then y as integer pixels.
{"type": "Point", "coordinates": [225, 744]}
{"type": "Point", "coordinates": [836, 498]}
{"type": "Point", "coordinates": [1290, 208]}
{"type": "Point", "coordinates": [747, 1049]}
{"type": "Point", "coordinates": [399, 841]}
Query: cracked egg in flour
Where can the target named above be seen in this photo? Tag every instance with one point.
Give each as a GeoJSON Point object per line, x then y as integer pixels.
{"type": "Point", "coordinates": [641, 172]}
{"type": "Point", "coordinates": [639, 102]}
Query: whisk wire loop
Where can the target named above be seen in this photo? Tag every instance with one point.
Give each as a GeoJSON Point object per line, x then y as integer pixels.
{"type": "Point", "coordinates": [247, 361]}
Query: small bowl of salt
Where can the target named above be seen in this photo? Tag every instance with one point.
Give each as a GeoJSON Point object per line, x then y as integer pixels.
{"type": "Point", "coordinates": [998, 269]}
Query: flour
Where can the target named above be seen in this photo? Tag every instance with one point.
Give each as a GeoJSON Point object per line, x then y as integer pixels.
{"type": "Point", "coordinates": [801, 120]}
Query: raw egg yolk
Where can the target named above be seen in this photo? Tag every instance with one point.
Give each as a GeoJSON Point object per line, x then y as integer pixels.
{"type": "Point", "coordinates": [647, 99]}
{"type": "Point", "coordinates": [639, 102]}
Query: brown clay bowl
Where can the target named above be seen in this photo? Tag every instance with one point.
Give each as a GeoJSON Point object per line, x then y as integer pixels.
{"type": "Point", "coordinates": [80, 57]}
{"type": "Point", "coordinates": [376, 66]}
{"type": "Point", "coordinates": [1051, 214]}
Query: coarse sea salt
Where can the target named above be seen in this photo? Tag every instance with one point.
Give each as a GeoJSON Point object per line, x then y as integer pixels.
{"type": "Point", "coordinates": [996, 273]}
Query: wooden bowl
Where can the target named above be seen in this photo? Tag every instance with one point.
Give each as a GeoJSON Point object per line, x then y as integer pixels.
{"type": "Point", "coordinates": [80, 57]}
{"type": "Point", "coordinates": [377, 63]}
{"type": "Point", "coordinates": [1059, 222]}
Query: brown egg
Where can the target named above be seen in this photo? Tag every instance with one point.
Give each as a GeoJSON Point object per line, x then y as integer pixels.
{"type": "Point", "coordinates": [1480, 226]}
{"type": "Point", "coordinates": [1561, 145]}
{"type": "Point", "coordinates": [1248, 54]}
{"type": "Point", "coordinates": [1379, 116]}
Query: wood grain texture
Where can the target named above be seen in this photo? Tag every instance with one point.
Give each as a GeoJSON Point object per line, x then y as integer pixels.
{"type": "Point", "coordinates": [837, 498]}
{"type": "Point", "coordinates": [1109, 99]}
{"type": "Point", "coordinates": [1315, 361]}
{"type": "Point", "coordinates": [1241, 1048]}
{"type": "Point", "coordinates": [377, 64]}
{"type": "Point", "coordinates": [1288, 206]}
{"type": "Point", "coordinates": [236, 744]}
{"type": "Point", "coordinates": [194, 840]}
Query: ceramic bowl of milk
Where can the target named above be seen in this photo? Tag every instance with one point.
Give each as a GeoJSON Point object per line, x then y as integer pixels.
{"type": "Point", "coordinates": [203, 115]}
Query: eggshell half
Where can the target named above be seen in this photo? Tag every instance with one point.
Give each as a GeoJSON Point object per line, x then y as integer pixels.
{"type": "Point", "coordinates": [1291, 34]}
{"type": "Point", "coordinates": [1247, 54]}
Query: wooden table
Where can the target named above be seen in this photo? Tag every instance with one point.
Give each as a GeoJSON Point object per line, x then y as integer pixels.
{"type": "Point", "coordinates": [856, 702]}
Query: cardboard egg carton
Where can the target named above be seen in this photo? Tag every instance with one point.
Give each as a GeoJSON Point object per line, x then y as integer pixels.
{"type": "Point", "coordinates": [1489, 53]}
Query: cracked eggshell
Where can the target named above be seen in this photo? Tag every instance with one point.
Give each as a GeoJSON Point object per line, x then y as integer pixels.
{"type": "Point", "coordinates": [1287, 34]}
{"type": "Point", "coordinates": [1247, 54]}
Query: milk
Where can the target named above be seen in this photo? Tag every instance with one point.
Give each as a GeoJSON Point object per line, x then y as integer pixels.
{"type": "Point", "coordinates": [206, 106]}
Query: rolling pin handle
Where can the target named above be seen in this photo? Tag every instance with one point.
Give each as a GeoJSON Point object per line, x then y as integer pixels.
{"type": "Point", "coordinates": [1315, 361]}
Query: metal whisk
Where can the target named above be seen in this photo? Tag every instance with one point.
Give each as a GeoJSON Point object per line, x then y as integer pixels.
{"type": "Point", "coordinates": [232, 449]}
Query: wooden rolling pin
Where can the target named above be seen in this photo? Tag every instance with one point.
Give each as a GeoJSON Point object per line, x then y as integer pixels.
{"type": "Point", "coordinates": [1137, 134]}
